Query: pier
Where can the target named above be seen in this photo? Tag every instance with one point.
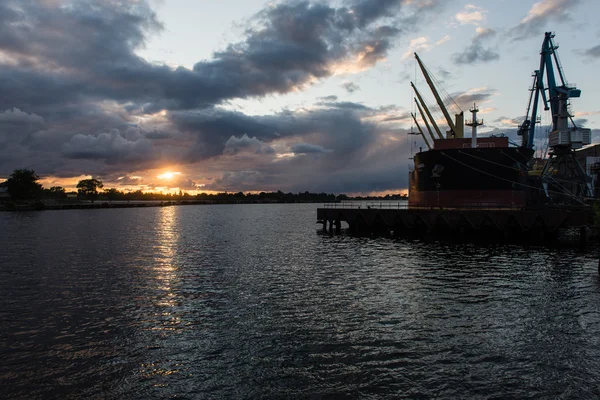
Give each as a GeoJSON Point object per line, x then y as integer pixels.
{"type": "Point", "coordinates": [396, 219]}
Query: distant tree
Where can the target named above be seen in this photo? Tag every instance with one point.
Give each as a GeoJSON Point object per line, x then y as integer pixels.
{"type": "Point", "coordinates": [23, 184]}
{"type": "Point", "coordinates": [88, 188]}
{"type": "Point", "coordinates": [112, 194]}
{"type": "Point", "coordinates": [56, 192]}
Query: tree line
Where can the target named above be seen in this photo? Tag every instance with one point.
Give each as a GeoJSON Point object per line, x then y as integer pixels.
{"type": "Point", "coordinates": [23, 184]}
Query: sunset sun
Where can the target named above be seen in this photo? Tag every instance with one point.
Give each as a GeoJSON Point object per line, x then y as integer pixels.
{"type": "Point", "coordinates": [168, 175]}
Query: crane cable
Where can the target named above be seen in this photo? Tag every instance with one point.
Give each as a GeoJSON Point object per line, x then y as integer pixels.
{"type": "Point", "coordinates": [507, 166]}
{"type": "Point", "coordinates": [510, 181]}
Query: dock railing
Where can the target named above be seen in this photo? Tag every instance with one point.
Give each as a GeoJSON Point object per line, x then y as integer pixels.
{"type": "Point", "coordinates": [403, 205]}
{"type": "Point", "coordinates": [398, 205]}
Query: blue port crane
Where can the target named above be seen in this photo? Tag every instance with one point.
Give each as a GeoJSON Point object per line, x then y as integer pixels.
{"type": "Point", "coordinates": [562, 178]}
{"type": "Point", "coordinates": [562, 137]}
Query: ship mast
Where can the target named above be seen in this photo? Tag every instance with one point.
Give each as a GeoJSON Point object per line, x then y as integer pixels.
{"type": "Point", "coordinates": [474, 123]}
{"type": "Point", "coordinates": [456, 128]}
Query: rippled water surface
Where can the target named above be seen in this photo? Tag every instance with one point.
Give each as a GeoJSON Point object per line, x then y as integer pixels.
{"type": "Point", "coordinates": [249, 301]}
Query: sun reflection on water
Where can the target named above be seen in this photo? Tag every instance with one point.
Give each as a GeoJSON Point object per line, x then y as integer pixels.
{"type": "Point", "coordinates": [164, 319]}
{"type": "Point", "coordinates": [165, 253]}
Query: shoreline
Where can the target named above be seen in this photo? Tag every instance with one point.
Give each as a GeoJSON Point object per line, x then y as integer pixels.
{"type": "Point", "coordinates": [45, 205]}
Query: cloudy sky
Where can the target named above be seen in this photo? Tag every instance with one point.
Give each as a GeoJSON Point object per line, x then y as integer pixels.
{"type": "Point", "coordinates": [248, 95]}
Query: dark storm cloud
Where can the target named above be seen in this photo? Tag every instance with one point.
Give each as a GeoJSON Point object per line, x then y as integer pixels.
{"type": "Point", "coordinates": [365, 171]}
{"type": "Point", "coordinates": [111, 147]}
{"type": "Point", "coordinates": [476, 53]}
{"type": "Point", "coordinates": [339, 128]}
{"type": "Point", "coordinates": [18, 117]}
{"type": "Point", "coordinates": [238, 181]}
{"type": "Point", "coordinates": [75, 93]}
{"type": "Point", "coordinates": [289, 45]}
{"type": "Point", "coordinates": [330, 149]}
{"type": "Point", "coordinates": [307, 148]}
{"type": "Point", "coordinates": [157, 135]}
{"type": "Point", "coordinates": [540, 14]}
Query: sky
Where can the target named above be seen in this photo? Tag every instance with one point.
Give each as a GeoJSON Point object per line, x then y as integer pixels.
{"type": "Point", "coordinates": [247, 95]}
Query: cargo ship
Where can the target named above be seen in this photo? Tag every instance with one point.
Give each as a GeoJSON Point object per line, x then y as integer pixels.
{"type": "Point", "coordinates": [493, 172]}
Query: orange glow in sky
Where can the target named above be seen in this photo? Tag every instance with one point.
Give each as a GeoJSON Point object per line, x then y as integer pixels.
{"type": "Point", "coordinates": [168, 175]}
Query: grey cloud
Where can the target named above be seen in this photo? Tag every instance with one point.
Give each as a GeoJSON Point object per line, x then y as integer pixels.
{"type": "Point", "coordinates": [475, 52]}
{"type": "Point", "coordinates": [157, 135]}
{"type": "Point", "coordinates": [340, 129]}
{"type": "Point", "coordinates": [444, 74]}
{"type": "Point", "coordinates": [76, 68]}
{"type": "Point", "coordinates": [18, 117]}
{"type": "Point", "coordinates": [234, 145]}
{"type": "Point", "coordinates": [350, 87]}
{"type": "Point", "coordinates": [307, 148]}
{"type": "Point", "coordinates": [237, 180]}
{"type": "Point", "coordinates": [289, 45]}
{"type": "Point", "coordinates": [369, 170]}
{"type": "Point", "coordinates": [356, 159]}
{"type": "Point", "coordinates": [512, 121]}
{"type": "Point", "coordinates": [328, 98]}
{"type": "Point", "coordinates": [593, 52]}
{"type": "Point", "coordinates": [111, 147]}
{"type": "Point", "coordinates": [16, 125]}
{"type": "Point", "coordinates": [402, 117]}
{"type": "Point", "coordinates": [125, 180]}
{"type": "Point", "coordinates": [344, 105]}
{"type": "Point", "coordinates": [540, 14]}
{"type": "Point", "coordinates": [466, 99]}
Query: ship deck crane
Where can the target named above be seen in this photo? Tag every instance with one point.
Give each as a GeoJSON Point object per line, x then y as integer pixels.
{"type": "Point", "coordinates": [425, 120]}
{"type": "Point", "coordinates": [433, 123]}
{"type": "Point", "coordinates": [456, 128]}
{"type": "Point", "coordinates": [420, 130]}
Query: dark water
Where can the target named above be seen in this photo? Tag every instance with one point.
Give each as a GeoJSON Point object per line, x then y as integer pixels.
{"type": "Point", "coordinates": [249, 301]}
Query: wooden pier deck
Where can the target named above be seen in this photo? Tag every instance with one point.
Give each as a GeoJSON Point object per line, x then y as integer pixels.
{"type": "Point", "coordinates": [397, 219]}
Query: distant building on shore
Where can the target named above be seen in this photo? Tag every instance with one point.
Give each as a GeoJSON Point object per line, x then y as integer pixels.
{"type": "Point", "coordinates": [4, 190]}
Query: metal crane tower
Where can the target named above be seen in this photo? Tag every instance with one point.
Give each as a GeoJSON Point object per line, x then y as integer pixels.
{"type": "Point", "coordinates": [563, 178]}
